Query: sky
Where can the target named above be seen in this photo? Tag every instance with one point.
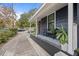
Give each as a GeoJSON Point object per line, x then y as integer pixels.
{"type": "Point", "coordinates": [20, 8]}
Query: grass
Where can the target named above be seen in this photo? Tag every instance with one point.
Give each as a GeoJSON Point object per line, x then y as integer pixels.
{"type": "Point", "coordinates": [6, 34]}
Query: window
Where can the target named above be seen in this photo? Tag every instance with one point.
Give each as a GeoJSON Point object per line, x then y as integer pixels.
{"type": "Point", "coordinates": [51, 22]}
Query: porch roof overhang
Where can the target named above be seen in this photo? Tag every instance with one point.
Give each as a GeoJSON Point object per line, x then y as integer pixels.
{"type": "Point", "coordinates": [46, 9]}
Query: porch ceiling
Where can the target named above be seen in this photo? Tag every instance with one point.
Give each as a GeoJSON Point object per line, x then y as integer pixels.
{"type": "Point", "coordinates": [47, 9]}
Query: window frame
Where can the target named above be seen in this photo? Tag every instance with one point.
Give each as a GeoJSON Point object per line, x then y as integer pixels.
{"type": "Point", "coordinates": [54, 20]}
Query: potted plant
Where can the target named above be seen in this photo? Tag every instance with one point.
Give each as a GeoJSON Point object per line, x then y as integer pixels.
{"type": "Point", "coordinates": [77, 52]}
{"type": "Point", "coordinates": [63, 38]}
{"type": "Point", "coordinates": [54, 32]}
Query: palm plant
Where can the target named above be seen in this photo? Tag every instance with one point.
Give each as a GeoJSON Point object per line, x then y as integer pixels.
{"type": "Point", "coordinates": [62, 35]}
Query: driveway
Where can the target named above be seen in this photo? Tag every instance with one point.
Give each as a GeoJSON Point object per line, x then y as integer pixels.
{"type": "Point", "coordinates": [18, 46]}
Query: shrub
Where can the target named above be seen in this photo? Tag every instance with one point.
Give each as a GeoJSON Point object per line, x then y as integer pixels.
{"type": "Point", "coordinates": [76, 51]}
{"type": "Point", "coordinates": [12, 31]}
{"type": "Point", "coordinates": [5, 35]}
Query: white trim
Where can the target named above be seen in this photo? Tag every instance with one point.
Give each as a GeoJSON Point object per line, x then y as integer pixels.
{"type": "Point", "coordinates": [36, 28]}
{"type": "Point", "coordinates": [38, 11]}
{"type": "Point", "coordinates": [74, 36]}
{"type": "Point", "coordinates": [51, 13]}
{"type": "Point", "coordinates": [55, 19]}
{"type": "Point", "coordinates": [70, 28]}
{"type": "Point", "coordinates": [47, 23]}
{"type": "Point", "coordinates": [47, 7]}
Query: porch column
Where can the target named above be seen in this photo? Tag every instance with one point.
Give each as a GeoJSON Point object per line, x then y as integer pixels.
{"type": "Point", "coordinates": [36, 27]}
{"type": "Point", "coordinates": [70, 28]}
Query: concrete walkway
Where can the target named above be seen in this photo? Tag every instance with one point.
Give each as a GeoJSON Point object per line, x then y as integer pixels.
{"type": "Point", "coordinates": [19, 46]}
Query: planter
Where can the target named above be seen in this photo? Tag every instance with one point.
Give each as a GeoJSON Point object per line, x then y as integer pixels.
{"type": "Point", "coordinates": [76, 52]}
{"type": "Point", "coordinates": [64, 47]}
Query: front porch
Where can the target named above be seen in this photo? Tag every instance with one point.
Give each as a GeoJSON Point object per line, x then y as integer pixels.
{"type": "Point", "coordinates": [50, 48]}
{"type": "Point", "coordinates": [51, 16]}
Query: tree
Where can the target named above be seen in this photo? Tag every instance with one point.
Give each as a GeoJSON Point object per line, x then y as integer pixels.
{"type": "Point", "coordinates": [24, 19]}
{"type": "Point", "coordinates": [31, 12]}
{"type": "Point", "coordinates": [1, 24]}
{"type": "Point", "coordinates": [8, 15]}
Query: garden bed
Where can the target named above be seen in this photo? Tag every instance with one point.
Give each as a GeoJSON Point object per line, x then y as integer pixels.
{"type": "Point", "coordinates": [5, 35]}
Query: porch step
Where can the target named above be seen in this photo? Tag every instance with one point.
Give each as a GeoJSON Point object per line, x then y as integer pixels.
{"type": "Point", "coordinates": [60, 53]}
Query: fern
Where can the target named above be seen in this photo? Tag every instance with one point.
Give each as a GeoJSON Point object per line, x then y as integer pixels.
{"type": "Point", "coordinates": [62, 35]}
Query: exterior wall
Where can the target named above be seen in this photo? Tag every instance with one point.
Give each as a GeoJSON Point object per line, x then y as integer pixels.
{"type": "Point", "coordinates": [43, 26]}
{"type": "Point", "coordinates": [62, 18]}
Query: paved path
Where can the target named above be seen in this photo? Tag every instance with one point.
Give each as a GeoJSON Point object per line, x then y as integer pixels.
{"type": "Point", "coordinates": [18, 46]}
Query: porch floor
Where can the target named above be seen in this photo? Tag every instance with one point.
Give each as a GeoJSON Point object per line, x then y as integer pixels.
{"type": "Point", "coordinates": [48, 47]}
{"type": "Point", "coordinates": [51, 49]}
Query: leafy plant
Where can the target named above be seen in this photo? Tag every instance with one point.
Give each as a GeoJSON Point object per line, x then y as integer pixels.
{"type": "Point", "coordinates": [76, 51]}
{"type": "Point", "coordinates": [54, 32]}
{"type": "Point", "coordinates": [5, 35]}
{"type": "Point", "coordinates": [62, 35]}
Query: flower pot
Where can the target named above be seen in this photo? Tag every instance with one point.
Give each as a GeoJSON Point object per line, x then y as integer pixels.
{"type": "Point", "coordinates": [76, 53]}
{"type": "Point", "coordinates": [64, 47]}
